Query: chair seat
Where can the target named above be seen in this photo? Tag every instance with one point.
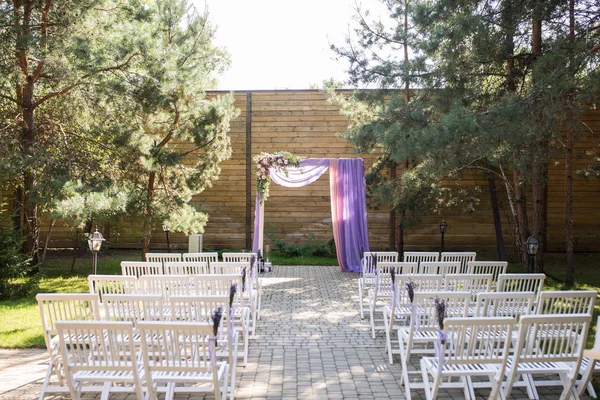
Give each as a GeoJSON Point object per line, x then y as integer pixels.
{"type": "Point", "coordinates": [539, 367]}
{"type": "Point", "coordinates": [102, 376]}
{"type": "Point", "coordinates": [187, 376]}
{"type": "Point", "coordinates": [484, 369]}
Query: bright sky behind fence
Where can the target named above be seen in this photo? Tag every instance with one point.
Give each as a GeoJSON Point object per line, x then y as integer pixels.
{"type": "Point", "coordinates": [282, 44]}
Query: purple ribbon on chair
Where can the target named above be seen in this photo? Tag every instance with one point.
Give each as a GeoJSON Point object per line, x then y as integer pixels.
{"type": "Point", "coordinates": [212, 348]}
{"type": "Point", "coordinates": [440, 350]}
{"type": "Point", "coordinates": [230, 333]}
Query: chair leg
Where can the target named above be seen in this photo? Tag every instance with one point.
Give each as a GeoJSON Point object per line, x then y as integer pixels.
{"type": "Point", "coordinates": [233, 369]}
{"type": "Point", "coordinates": [404, 377]}
{"type": "Point", "coordinates": [388, 338]}
{"type": "Point", "coordinates": [531, 390]}
{"type": "Point", "coordinates": [586, 379]}
{"type": "Point", "coordinates": [46, 381]}
{"type": "Point", "coordinates": [372, 315]}
{"type": "Point", "coordinates": [106, 390]}
{"type": "Point", "coordinates": [506, 389]}
{"type": "Point", "coordinates": [425, 375]}
{"type": "Point", "coordinates": [360, 299]}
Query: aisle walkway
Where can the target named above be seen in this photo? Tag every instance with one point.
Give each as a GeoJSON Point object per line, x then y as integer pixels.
{"type": "Point", "coordinates": [310, 344]}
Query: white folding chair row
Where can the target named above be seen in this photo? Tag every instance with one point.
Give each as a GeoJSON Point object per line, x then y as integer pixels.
{"type": "Point", "coordinates": [170, 356]}
{"type": "Point", "coordinates": [370, 260]}
{"type": "Point", "coordinates": [545, 345]}
{"type": "Point", "coordinates": [253, 272]}
{"type": "Point", "coordinates": [139, 268]}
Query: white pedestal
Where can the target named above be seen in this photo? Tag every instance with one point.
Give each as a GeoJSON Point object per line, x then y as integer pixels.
{"type": "Point", "coordinates": [195, 243]}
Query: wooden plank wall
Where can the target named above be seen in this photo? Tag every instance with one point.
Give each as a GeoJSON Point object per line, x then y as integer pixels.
{"type": "Point", "coordinates": [304, 123]}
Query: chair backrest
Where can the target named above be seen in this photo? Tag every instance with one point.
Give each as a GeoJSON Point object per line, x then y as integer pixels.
{"type": "Point", "coordinates": [504, 304]}
{"type": "Point", "coordinates": [401, 268]}
{"type": "Point", "coordinates": [187, 268]}
{"type": "Point", "coordinates": [491, 347]}
{"type": "Point", "coordinates": [189, 353]}
{"type": "Point", "coordinates": [422, 283]}
{"type": "Point", "coordinates": [237, 257]}
{"type": "Point", "coordinates": [201, 257]}
{"type": "Point", "coordinates": [212, 284]}
{"type": "Point", "coordinates": [166, 285]}
{"type": "Point", "coordinates": [521, 283]}
{"type": "Point", "coordinates": [197, 308]}
{"type": "Point", "coordinates": [139, 268]}
{"type": "Point", "coordinates": [230, 267]}
{"type": "Point", "coordinates": [487, 267]}
{"type": "Point", "coordinates": [424, 308]}
{"type": "Point", "coordinates": [463, 257]}
{"type": "Point", "coordinates": [552, 338]}
{"type": "Point", "coordinates": [421, 256]}
{"type": "Point", "coordinates": [439, 267]}
{"type": "Point", "coordinates": [567, 302]}
{"type": "Point", "coordinates": [380, 256]}
{"type": "Point", "coordinates": [66, 307]}
{"type": "Point", "coordinates": [133, 307]}
{"type": "Point", "coordinates": [97, 346]}
{"type": "Point", "coordinates": [112, 284]}
{"type": "Point", "coordinates": [163, 257]}
{"type": "Point", "coordinates": [474, 283]}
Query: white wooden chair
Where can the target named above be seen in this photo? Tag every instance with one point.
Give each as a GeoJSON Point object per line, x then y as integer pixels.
{"type": "Point", "coordinates": [504, 304]}
{"type": "Point", "coordinates": [163, 257]}
{"type": "Point", "coordinates": [422, 331]}
{"type": "Point", "coordinates": [62, 307]}
{"type": "Point", "coordinates": [474, 283]}
{"type": "Point", "coordinates": [488, 267]}
{"type": "Point", "coordinates": [367, 275]}
{"type": "Point", "coordinates": [112, 284]}
{"type": "Point", "coordinates": [166, 285]}
{"type": "Point", "coordinates": [139, 268]}
{"type": "Point", "coordinates": [522, 283]}
{"type": "Point", "coordinates": [201, 257]}
{"type": "Point", "coordinates": [474, 347]}
{"type": "Point", "coordinates": [100, 352]}
{"type": "Point", "coordinates": [567, 302]}
{"type": "Point", "coordinates": [439, 267]}
{"type": "Point", "coordinates": [463, 257]}
{"type": "Point", "coordinates": [589, 365]}
{"type": "Point", "coordinates": [220, 285]}
{"type": "Point", "coordinates": [548, 344]}
{"type": "Point", "coordinates": [398, 311]}
{"type": "Point", "coordinates": [179, 353]}
{"type": "Point", "coordinates": [230, 267]}
{"type": "Point", "coordinates": [187, 268]}
{"type": "Point", "coordinates": [253, 272]}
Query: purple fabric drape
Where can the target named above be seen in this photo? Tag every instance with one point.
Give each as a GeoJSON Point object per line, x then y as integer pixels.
{"type": "Point", "coordinates": [348, 203]}
{"type": "Point", "coordinates": [349, 211]}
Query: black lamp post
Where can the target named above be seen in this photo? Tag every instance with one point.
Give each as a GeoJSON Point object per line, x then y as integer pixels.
{"type": "Point", "coordinates": [167, 229]}
{"type": "Point", "coordinates": [532, 248]}
{"type": "Point", "coordinates": [443, 227]}
{"type": "Point", "coordinates": [95, 242]}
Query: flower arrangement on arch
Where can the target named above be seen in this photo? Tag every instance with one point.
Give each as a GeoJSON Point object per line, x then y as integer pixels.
{"type": "Point", "coordinates": [280, 161]}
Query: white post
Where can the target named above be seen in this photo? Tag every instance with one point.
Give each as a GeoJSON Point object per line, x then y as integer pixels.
{"type": "Point", "coordinates": [261, 226]}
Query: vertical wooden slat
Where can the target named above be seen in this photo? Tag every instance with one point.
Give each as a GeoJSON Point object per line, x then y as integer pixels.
{"type": "Point", "coordinates": [248, 170]}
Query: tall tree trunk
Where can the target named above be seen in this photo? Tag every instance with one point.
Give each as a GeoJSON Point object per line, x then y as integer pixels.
{"type": "Point", "coordinates": [496, 214]}
{"type": "Point", "coordinates": [147, 226]}
{"type": "Point", "coordinates": [392, 230]}
{"type": "Point", "coordinates": [521, 221]}
{"type": "Point", "coordinates": [540, 172]}
{"type": "Point", "coordinates": [570, 277]}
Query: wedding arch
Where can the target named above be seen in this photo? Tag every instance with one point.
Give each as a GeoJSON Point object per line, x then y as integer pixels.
{"type": "Point", "coordinates": [348, 198]}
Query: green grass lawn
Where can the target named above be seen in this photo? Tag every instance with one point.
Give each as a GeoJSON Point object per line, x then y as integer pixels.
{"type": "Point", "coordinates": [20, 321]}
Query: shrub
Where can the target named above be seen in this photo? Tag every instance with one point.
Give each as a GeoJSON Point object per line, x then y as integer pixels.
{"type": "Point", "coordinates": [14, 265]}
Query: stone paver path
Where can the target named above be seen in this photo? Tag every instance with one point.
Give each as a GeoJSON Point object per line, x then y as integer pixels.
{"type": "Point", "coordinates": [311, 344]}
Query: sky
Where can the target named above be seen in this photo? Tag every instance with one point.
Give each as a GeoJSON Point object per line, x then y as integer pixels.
{"type": "Point", "coordinates": [281, 44]}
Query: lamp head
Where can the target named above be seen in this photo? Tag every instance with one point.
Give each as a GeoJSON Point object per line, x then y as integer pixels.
{"type": "Point", "coordinates": [95, 241]}
{"type": "Point", "coordinates": [532, 245]}
{"type": "Point", "coordinates": [443, 226]}
{"type": "Point", "coordinates": [166, 227]}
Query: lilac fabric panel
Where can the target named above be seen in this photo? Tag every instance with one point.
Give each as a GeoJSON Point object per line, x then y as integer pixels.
{"type": "Point", "coordinates": [349, 212]}
{"type": "Point", "coordinates": [309, 171]}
